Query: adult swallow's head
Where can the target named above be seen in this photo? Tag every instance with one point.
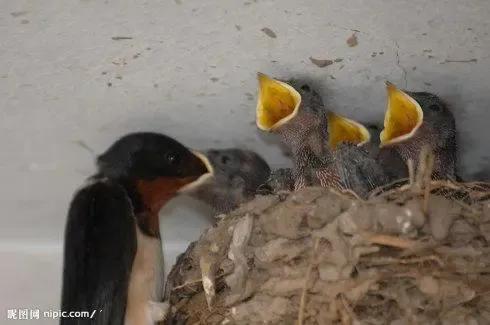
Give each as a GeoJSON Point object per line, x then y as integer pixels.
{"type": "Point", "coordinates": [153, 168]}
{"type": "Point", "coordinates": [411, 114]}
{"type": "Point", "coordinates": [344, 130]}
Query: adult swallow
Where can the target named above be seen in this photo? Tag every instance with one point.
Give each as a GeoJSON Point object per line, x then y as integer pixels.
{"type": "Point", "coordinates": [236, 178]}
{"type": "Point", "coordinates": [112, 249]}
{"type": "Point", "coordinates": [417, 119]}
{"type": "Point", "coordinates": [326, 147]}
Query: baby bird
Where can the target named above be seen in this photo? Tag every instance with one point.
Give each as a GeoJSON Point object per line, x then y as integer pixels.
{"type": "Point", "coordinates": [299, 117]}
{"type": "Point", "coordinates": [417, 119]}
{"type": "Point", "coordinates": [325, 146]}
{"type": "Point", "coordinates": [237, 174]}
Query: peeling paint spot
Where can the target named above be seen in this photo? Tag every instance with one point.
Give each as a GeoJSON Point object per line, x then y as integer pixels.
{"type": "Point", "coordinates": [121, 38]}
{"type": "Point", "coordinates": [19, 13]}
{"type": "Point", "coordinates": [249, 96]}
{"type": "Point", "coordinates": [352, 40]}
{"type": "Point", "coordinates": [338, 60]}
{"type": "Point", "coordinates": [85, 146]}
{"type": "Point", "coordinates": [214, 79]}
{"type": "Point", "coordinates": [321, 63]}
{"type": "Point", "coordinates": [269, 32]}
{"type": "Point", "coordinates": [238, 27]}
{"type": "Point", "coordinates": [473, 60]}
{"type": "Point", "coordinates": [120, 61]}
{"type": "Point", "coordinates": [109, 84]}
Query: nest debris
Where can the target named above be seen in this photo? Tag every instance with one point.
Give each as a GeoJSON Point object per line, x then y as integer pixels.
{"type": "Point", "coordinates": [415, 254]}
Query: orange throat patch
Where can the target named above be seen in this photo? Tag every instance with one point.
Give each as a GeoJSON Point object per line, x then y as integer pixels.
{"type": "Point", "coordinates": [155, 194]}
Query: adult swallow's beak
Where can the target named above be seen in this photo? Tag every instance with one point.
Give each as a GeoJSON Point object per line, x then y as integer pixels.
{"type": "Point", "coordinates": [277, 103]}
{"type": "Point", "coordinates": [203, 177]}
{"type": "Point", "coordinates": [342, 129]}
{"type": "Point", "coordinates": [403, 117]}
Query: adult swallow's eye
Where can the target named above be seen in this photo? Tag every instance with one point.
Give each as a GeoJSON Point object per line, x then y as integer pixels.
{"type": "Point", "coordinates": [172, 158]}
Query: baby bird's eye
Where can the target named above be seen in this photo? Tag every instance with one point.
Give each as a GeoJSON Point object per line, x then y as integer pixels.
{"type": "Point", "coordinates": [305, 88]}
{"type": "Point", "coordinates": [225, 160]}
{"type": "Point", "coordinates": [435, 108]}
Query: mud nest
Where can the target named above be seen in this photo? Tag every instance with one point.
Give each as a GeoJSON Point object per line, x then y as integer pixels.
{"type": "Point", "coordinates": [417, 254]}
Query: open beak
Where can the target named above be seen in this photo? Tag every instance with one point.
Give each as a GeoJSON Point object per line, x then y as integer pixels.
{"type": "Point", "coordinates": [403, 117]}
{"type": "Point", "coordinates": [277, 104]}
{"type": "Point", "coordinates": [203, 178]}
{"type": "Point", "coordinates": [344, 130]}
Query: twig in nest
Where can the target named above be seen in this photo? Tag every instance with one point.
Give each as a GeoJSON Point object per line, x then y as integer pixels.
{"type": "Point", "coordinates": [379, 261]}
{"type": "Point", "coordinates": [387, 240]}
{"type": "Point", "coordinates": [386, 188]}
{"type": "Point", "coordinates": [351, 192]}
{"type": "Point", "coordinates": [186, 284]}
{"type": "Point", "coordinates": [302, 303]}
{"type": "Point", "coordinates": [191, 282]}
{"type": "Point", "coordinates": [436, 184]}
{"type": "Point", "coordinates": [429, 164]}
{"type": "Point", "coordinates": [345, 318]}
{"type": "Point", "coordinates": [348, 308]}
{"type": "Point", "coordinates": [411, 172]}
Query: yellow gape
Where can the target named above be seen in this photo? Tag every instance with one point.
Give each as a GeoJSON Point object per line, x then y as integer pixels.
{"type": "Point", "coordinates": [344, 130]}
{"type": "Point", "coordinates": [278, 103]}
{"type": "Point", "coordinates": [403, 116]}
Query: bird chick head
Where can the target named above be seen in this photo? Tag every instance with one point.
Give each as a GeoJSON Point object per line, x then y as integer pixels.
{"type": "Point", "coordinates": [403, 117]}
{"type": "Point", "coordinates": [344, 130]}
{"type": "Point", "coordinates": [278, 103]}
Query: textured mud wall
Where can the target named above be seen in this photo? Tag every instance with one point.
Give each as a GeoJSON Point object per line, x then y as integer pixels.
{"type": "Point", "coordinates": [318, 257]}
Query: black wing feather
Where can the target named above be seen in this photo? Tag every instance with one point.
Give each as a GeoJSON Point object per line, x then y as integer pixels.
{"type": "Point", "coordinates": [100, 245]}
